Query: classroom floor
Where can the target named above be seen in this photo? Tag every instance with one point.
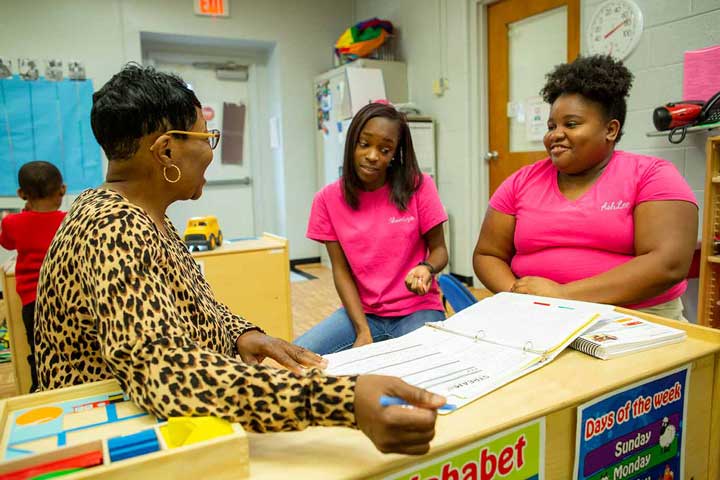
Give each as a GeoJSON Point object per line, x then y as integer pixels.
{"type": "Point", "coordinates": [312, 301]}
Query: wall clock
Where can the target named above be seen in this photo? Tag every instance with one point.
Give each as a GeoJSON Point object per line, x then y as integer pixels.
{"type": "Point", "coordinates": [615, 28]}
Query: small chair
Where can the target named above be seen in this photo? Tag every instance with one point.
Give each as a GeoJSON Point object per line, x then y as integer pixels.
{"type": "Point", "coordinates": [455, 293]}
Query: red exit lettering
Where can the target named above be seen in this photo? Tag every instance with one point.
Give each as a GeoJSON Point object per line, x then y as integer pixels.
{"type": "Point", "coordinates": [210, 7]}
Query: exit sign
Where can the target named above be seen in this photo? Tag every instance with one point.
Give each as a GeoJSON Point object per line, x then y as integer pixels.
{"type": "Point", "coordinates": [213, 8]}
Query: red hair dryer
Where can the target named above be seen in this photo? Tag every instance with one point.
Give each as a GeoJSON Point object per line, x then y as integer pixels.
{"type": "Point", "coordinates": [677, 114]}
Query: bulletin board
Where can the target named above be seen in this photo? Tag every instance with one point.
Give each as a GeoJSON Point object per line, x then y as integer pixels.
{"type": "Point", "coordinates": [48, 120]}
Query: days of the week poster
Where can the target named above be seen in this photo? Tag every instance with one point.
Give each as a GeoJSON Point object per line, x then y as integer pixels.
{"type": "Point", "coordinates": [636, 433]}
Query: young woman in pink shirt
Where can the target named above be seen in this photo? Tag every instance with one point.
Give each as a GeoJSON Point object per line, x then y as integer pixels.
{"type": "Point", "coordinates": [382, 226]}
{"type": "Point", "coordinates": [591, 222]}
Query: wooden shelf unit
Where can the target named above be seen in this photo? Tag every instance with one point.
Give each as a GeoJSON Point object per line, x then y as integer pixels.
{"type": "Point", "coordinates": [708, 307]}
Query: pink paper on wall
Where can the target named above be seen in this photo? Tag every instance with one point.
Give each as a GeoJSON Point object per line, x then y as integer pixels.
{"type": "Point", "coordinates": [701, 73]}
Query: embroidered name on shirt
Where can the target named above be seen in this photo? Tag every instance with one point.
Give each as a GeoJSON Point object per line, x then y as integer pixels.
{"type": "Point", "coordinates": [617, 205]}
{"type": "Point", "coordinates": [401, 219]}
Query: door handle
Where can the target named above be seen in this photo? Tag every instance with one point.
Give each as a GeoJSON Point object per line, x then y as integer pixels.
{"type": "Point", "coordinates": [245, 181]}
{"type": "Point", "coordinates": [491, 155]}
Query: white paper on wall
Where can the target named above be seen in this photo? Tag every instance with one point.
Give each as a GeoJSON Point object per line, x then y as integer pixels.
{"type": "Point", "coordinates": [274, 133]}
{"type": "Point", "coordinates": [537, 112]}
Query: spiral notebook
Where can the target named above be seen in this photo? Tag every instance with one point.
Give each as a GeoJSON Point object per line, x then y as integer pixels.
{"type": "Point", "coordinates": [619, 334]}
{"type": "Point", "coordinates": [477, 350]}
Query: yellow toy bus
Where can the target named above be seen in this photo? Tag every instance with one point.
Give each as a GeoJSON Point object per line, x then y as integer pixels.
{"type": "Point", "coordinates": [203, 231]}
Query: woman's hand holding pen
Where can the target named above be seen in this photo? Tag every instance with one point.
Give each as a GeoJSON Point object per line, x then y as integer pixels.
{"type": "Point", "coordinates": [418, 280]}
{"type": "Point", "coordinates": [396, 429]}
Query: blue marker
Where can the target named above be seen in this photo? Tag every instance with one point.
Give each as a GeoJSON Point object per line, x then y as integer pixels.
{"type": "Point", "coordinates": [386, 401]}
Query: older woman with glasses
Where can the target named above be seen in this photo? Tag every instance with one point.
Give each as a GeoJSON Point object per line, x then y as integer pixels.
{"type": "Point", "coordinates": [120, 296]}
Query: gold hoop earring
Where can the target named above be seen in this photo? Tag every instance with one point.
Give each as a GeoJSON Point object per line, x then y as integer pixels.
{"type": "Point", "coordinates": [178, 175]}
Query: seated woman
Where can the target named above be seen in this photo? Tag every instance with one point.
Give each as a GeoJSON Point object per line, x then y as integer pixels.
{"type": "Point", "coordinates": [120, 296]}
{"type": "Point", "coordinates": [591, 222]}
{"type": "Point", "coordinates": [381, 223]}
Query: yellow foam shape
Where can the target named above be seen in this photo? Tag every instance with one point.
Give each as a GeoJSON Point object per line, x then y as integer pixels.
{"type": "Point", "coordinates": [181, 431]}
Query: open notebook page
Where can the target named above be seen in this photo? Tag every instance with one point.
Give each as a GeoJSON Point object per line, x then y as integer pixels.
{"type": "Point", "coordinates": [454, 366]}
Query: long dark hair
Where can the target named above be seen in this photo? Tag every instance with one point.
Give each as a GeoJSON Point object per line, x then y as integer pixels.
{"type": "Point", "coordinates": [403, 173]}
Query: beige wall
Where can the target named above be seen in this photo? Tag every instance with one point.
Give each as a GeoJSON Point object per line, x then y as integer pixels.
{"type": "Point", "coordinates": [105, 34]}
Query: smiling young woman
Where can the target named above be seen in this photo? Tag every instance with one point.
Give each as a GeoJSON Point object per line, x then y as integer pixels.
{"type": "Point", "coordinates": [382, 226]}
{"type": "Point", "coordinates": [591, 222]}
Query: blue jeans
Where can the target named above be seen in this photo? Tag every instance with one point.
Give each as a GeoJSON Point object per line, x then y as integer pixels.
{"type": "Point", "coordinates": [336, 333]}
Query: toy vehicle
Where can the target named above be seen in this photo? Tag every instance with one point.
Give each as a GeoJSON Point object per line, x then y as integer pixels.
{"type": "Point", "coordinates": [203, 232]}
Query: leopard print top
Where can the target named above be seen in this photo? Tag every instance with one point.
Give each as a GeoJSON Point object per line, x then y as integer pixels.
{"type": "Point", "coordinates": [118, 297]}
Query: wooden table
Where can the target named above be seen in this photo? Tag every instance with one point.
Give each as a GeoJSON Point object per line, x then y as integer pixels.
{"type": "Point", "coordinates": [553, 392]}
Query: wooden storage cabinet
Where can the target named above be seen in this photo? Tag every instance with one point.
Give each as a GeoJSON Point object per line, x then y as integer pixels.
{"type": "Point", "coordinates": [708, 308]}
{"type": "Point", "coordinates": [252, 277]}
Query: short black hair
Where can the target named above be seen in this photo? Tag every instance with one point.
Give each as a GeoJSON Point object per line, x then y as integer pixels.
{"type": "Point", "coordinates": [403, 173]}
{"type": "Point", "coordinates": [599, 78]}
{"type": "Point", "coordinates": [138, 101]}
{"type": "Point", "coordinates": [39, 179]}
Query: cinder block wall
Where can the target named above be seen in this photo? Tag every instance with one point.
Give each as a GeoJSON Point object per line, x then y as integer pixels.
{"type": "Point", "coordinates": [671, 28]}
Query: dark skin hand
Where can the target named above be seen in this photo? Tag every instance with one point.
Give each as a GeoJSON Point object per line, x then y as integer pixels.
{"type": "Point", "coordinates": [419, 278]}
{"type": "Point", "coordinates": [393, 429]}
{"type": "Point", "coordinates": [254, 346]}
{"type": "Point", "coordinates": [396, 429]}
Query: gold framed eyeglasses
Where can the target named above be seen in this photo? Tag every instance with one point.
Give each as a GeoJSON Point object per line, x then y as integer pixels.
{"type": "Point", "coordinates": [212, 136]}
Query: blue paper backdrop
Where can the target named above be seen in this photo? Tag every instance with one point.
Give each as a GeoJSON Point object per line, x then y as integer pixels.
{"type": "Point", "coordinates": [44, 120]}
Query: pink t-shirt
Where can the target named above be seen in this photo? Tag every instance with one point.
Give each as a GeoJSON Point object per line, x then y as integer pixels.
{"type": "Point", "coordinates": [568, 240]}
{"type": "Point", "coordinates": [381, 243]}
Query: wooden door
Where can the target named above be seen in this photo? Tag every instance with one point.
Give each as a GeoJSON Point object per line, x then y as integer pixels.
{"type": "Point", "coordinates": [523, 18]}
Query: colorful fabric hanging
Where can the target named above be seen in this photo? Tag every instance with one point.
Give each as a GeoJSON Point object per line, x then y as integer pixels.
{"type": "Point", "coordinates": [364, 37]}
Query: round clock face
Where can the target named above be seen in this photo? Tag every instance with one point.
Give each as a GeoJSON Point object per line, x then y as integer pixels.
{"type": "Point", "coordinates": [615, 28]}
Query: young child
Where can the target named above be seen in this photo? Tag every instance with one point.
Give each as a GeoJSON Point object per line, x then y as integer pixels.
{"type": "Point", "coordinates": [382, 226]}
{"type": "Point", "coordinates": [30, 233]}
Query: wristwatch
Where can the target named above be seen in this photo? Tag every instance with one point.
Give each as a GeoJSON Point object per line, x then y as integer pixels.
{"type": "Point", "coordinates": [430, 267]}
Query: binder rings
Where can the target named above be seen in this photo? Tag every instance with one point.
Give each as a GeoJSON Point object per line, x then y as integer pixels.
{"type": "Point", "coordinates": [477, 350]}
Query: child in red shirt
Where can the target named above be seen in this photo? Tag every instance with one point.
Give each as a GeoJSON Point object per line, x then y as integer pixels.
{"type": "Point", "coordinates": [30, 233]}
